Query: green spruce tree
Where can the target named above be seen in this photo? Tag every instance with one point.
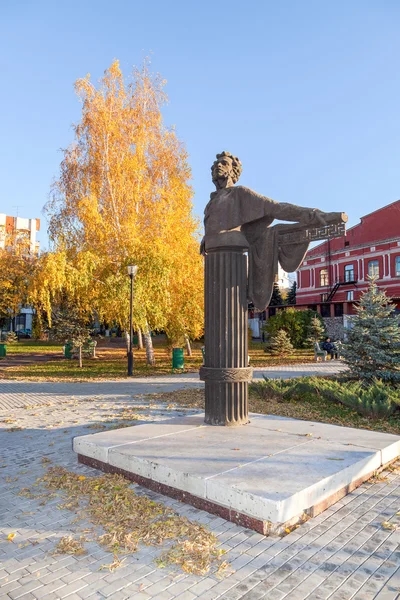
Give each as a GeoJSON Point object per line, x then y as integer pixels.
{"type": "Point", "coordinates": [291, 297]}
{"type": "Point", "coordinates": [372, 349]}
{"type": "Point", "coordinates": [316, 330]}
{"type": "Point", "coordinates": [276, 298]}
{"type": "Point", "coordinates": [280, 344]}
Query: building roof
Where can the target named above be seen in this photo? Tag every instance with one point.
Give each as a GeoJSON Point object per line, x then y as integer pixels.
{"type": "Point", "coordinates": [381, 224]}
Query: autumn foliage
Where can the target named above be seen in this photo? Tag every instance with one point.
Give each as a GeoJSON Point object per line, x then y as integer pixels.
{"type": "Point", "coordinates": [123, 197]}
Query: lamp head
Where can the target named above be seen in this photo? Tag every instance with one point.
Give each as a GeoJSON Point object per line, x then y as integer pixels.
{"type": "Point", "coordinates": [132, 270]}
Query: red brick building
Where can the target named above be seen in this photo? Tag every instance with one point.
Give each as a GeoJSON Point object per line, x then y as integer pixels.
{"type": "Point", "coordinates": [334, 273]}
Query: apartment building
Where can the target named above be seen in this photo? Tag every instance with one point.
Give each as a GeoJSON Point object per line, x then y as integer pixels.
{"type": "Point", "coordinates": [20, 230]}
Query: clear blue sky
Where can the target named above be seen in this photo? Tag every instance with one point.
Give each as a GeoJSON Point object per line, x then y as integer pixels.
{"type": "Point", "coordinates": [305, 92]}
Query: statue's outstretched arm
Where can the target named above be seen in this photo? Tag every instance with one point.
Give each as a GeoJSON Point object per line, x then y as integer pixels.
{"type": "Point", "coordinates": [290, 212]}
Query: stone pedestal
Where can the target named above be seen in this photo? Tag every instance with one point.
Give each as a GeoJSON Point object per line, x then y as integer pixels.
{"type": "Point", "coordinates": [226, 372]}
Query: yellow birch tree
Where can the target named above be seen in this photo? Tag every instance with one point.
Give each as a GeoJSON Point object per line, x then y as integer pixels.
{"type": "Point", "coordinates": [123, 198]}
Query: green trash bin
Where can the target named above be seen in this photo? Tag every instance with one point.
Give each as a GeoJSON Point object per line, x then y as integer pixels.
{"type": "Point", "coordinates": [68, 350]}
{"type": "Point", "coordinates": [3, 350]}
{"type": "Point", "coordinates": [177, 358]}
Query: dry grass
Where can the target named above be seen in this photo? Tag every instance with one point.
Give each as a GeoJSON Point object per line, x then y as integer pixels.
{"type": "Point", "coordinates": [313, 408]}
{"type": "Point", "coordinates": [111, 363]}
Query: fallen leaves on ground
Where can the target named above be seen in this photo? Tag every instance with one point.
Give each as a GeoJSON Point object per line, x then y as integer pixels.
{"type": "Point", "coordinates": [379, 478]}
{"type": "Point", "coordinates": [116, 564]}
{"type": "Point", "coordinates": [191, 398]}
{"type": "Point", "coordinates": [128, 519]}
{"type": "Point", "coordinates": [69, 545]}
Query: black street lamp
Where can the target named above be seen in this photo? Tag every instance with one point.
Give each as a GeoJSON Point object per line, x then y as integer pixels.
{"type": "Point", "coordinates": [132, 270]}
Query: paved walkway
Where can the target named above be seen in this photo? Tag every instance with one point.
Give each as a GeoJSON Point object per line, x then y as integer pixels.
{"type": "Point", "coordinates": [345, 553]}
{"type": "Point", "coordinates": [17, 394]}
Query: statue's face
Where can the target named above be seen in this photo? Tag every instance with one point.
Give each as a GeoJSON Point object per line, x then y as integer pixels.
{"type": "Point", "coordinates": [222, 169]}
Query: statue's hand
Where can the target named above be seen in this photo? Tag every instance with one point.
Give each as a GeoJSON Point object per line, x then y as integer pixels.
{"type": "Point", "coordinates": [319, 217]}
{"type": "Point", "coordinates": [326, 218]}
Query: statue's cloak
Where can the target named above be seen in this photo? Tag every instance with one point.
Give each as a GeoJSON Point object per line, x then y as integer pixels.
{"type": "Point", "coordinates": [265, 253]}
{"type": "Point", "coordinates": [240, 209]}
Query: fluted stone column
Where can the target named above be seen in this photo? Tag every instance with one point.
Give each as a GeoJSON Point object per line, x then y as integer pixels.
{"type": "Point", "coordinates": [226, 372]}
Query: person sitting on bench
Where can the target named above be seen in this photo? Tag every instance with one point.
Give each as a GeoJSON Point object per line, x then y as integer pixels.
{"type": "Point", "coordinates": [330, 348]}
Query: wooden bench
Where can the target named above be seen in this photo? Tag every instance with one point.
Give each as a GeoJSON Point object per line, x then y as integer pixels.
{"type": "Point", "coordinates": [338, 348]}
{"type": "Point", "coordinates": [318, 353]}
{"type": "Point", "coordinates": [88, 349]}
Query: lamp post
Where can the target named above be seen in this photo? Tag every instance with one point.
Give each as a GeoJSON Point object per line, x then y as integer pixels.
{"type": "Point", "coordinates": [132, 270]}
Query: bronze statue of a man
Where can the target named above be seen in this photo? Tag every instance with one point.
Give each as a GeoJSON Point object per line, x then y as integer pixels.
{"type": "Point", "coordinates": [237, 216]}
{"type": "Point", "coordinates": [242, 252]}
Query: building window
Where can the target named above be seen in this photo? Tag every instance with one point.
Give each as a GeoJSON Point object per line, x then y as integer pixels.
{"type": "Point", "coordinates": [347, 243]}
{"type": "Point", "coordinates": [325, 310]}
{"type": "Point", "coordinates": [397, 266]}
{"type": "Point", "coordinates": [349, 273]}
{"type": "Point", "coordinates": [20, 322]}
{"type": "Point", "coordinates": [350, 296]}
{"type": "Point", "coordinates": [323, 277]}
{"type": "Point", "coordinates": [324, 297]}
{"type": "Point", "coordinates": [373, 268]}
{"type": "Point", "coordinates": [338, 308]}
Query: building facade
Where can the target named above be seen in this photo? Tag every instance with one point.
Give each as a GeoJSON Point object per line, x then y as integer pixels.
{"type": "Point", "coordinates": [334, 274]}
{"type": "Point", "coordinates": [20, 230]}
{"type": "Point", "coordinates": [17, 231]}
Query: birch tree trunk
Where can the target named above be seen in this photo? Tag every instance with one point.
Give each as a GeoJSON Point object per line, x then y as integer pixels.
{"type": "Point", "coordinates": [140, 339]}
{"type": "Point", "coordinates": [80, 356]}
{"type": "Point", "coordinates": [150, 360]}
{"type": "Point", "coordinates": [188, 346]}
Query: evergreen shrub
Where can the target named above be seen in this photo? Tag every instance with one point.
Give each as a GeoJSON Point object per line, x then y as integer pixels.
{"type": "Point", "coordinates": [12, 337]}
{"type": "Point", "coordinates": [280, 344]}
{"type": "Point", "coordinates": [377, 400]}
{"type": "Point", "coordinates": [296, 323]}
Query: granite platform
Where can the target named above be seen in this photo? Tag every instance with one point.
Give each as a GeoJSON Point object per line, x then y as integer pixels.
{"type": "Point", "coordinates": [266, 475]}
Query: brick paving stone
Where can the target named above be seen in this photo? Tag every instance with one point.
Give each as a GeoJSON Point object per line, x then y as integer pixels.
{"type": "Point", "coordinates": [342, 552]}
{"type": "Point", "coordinates": [186, 596]}
{"type": "Point", "coordinates": [390, 590]}
{"type": "Point", "coordinates": [202, 586]}
{"type": "Point", "coordinates": [164, 596]}
{"type": "Point", "coordinates": [114, 587]}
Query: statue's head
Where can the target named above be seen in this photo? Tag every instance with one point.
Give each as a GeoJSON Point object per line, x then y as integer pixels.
{"type": "Point", "coordinates": [226, 170]}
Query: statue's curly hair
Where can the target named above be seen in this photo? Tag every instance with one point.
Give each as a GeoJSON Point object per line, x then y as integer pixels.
{"type": "Point", "coordinates": [236, 165]}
